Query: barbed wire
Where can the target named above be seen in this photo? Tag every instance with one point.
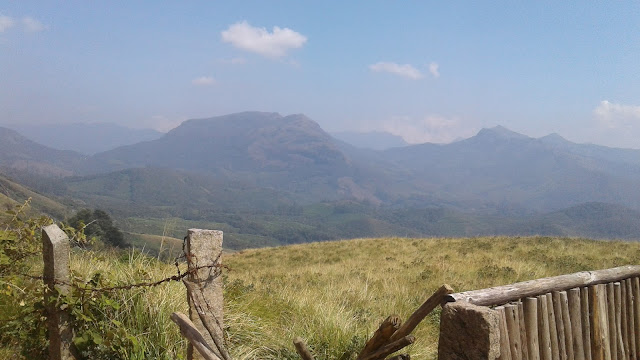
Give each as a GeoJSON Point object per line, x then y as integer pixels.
{"type": "Point", "coordinates": [190, 258]}
{"type": "Point", "coordinates": [178, 277]}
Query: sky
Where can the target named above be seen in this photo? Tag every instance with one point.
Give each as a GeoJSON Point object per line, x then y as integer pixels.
{"type": "Point", "coordinates": [429, 71]}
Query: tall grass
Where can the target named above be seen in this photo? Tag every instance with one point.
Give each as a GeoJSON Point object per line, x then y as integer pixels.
{"type": "Point", "coordinates": [334, 294]}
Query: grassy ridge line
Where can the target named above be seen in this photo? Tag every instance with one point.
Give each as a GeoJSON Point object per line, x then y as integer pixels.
{"type": "Point", "coordinates": [335, 294]}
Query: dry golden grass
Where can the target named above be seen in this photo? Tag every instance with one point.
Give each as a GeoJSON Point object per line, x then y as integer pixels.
{"type": "Point", "coordinates": [334, 294]}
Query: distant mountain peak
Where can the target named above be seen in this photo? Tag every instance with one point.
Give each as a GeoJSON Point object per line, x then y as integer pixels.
{"type": "Point", "coordinates": [554, 138]}
{"type": "Point", "coordinates": [500, 132]}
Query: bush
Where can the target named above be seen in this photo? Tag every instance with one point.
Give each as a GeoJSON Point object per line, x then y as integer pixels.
{"type": "Point", "coordinates": [97, 224]}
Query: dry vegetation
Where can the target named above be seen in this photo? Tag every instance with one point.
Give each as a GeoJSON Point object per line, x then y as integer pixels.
{"type": "Point", "coordinates": [334, 294]}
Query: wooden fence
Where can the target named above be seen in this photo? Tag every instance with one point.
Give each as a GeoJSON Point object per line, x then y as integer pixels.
{"type": "Point", "coordinates": [592, 315]}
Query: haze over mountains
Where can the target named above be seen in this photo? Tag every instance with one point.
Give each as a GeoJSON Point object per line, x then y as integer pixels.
{"type": "Point", "coordinates": [497, 182]}
{"type": "Point", "coordinates": [86, 139]}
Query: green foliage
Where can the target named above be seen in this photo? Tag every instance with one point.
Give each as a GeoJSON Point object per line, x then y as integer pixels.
{"type": "Point", "coordinates": [97, 224]}
{"type": "Point", "coordinates": [105, 324]}
{"type": "Point", "coordinates": [20, 239]}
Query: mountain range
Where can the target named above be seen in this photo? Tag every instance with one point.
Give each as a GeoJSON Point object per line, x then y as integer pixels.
{"type": "Point", "coordinates": [87, 139]}
{"type": "Point", "coordinates": [284, 177]}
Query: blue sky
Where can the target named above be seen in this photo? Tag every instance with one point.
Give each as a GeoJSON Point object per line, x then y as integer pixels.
{"type": "Point", "coordinates": [428, 71]}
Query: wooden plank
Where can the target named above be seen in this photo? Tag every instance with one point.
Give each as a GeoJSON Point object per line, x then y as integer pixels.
{"type": "Point", "coordinates": [617, 292]}
{"type": "Point", "coordinates": [390, 348]}
{"type": "Point", "coordinates": [543, 328]}
{"type": "Point", "coordinates": [586, 325]}
{"type": "Point", "coordinates": [195, 338]}
{"type": "Point", "coordinates": [576, 323]}
{"type": "Point", "coordinates": [611, 318]}
{"type": "Point", "coordinates": [568, 325]}
{"type": "Point", "coordinates": [531, 323]}
{"type": "Point", "coordinates": [623, 308]}
{"type": "Point", "coordinates": [513, 327]}
{"type": "Point", "coordinates": [523, 331]}
{"type": "Point", "coordinates": [506, 293]}
{"type": "Point", "coordinates": [505, 346]}
{"type": "Point", "coordinates": [557, 309]}
{"type": "Point", "coordinates": [553, 330]}
{"type": "Point", "coordinates": [630, 320]}
{"type": "Point", "coordinates": [600, 349]}
{"type": "Point", "coordinates": [427, 307]}
{"type": "Point", "coordinates": [382, 335]}
{"type": "Point", "coordinates": [635, 282]}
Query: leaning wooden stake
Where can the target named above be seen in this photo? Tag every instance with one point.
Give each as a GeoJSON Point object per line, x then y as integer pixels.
{"type": "Point", "coordinates": [425, 309]}
{"type": "Point", "coordinates": [302, 349]}
{"type": "Point", "coordinates": [191, 333]}
{"type": "Point", "coordinates": [381, 336]}
{"type": "Point", "coordinates": [391, 348]}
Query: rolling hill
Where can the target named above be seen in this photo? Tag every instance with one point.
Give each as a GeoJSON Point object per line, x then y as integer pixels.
{"type": "Point", "coordinates": [18, 152]}
{"type": "Point", "coordinates": [268, 179]}
{"type": "Point", "coordinates": [85, 138]}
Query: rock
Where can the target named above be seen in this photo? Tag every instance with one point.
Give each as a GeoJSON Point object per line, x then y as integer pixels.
{"type": "Point", "coordinates": [468, 332]}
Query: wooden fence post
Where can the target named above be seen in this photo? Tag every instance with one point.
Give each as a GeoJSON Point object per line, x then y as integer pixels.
{"type": "Point", "coordinates": [204, 248]}
{"type": "Point", "coordinates": [55, 253]}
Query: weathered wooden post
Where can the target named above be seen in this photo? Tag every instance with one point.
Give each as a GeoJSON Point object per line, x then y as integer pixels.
{"type": "Point", "coordinates": [55, 253]}
{"type": "Point", "coordinates": [204, 252]}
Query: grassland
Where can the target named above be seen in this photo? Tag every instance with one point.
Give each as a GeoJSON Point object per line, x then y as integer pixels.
{"type": "Point", "coordinates": [334, 294]}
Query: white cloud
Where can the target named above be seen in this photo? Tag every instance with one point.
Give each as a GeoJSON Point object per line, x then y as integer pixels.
{"type": "Point", "coordinates": [614, 115]}
{"type": "Point", "coordinates": [431, 128]}
{"type": "Point", "coordinates": [273, 44]}
{"type": "Point", "coordinates": [32, 25]}
{"type": "Point", "coordinates": [433, 69]}
{"type": "Point", "coordinates": [405, 70]}
{"type": "Point", "coordinates": [203, 81]}
{"type": "Point", "coordinates": [6, 23]}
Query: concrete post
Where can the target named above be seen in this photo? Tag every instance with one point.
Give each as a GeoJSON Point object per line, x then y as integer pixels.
{"type": "Point", "coordinates": [204, 248]}
{"type": "Point", "coordinates": [468, 332]}
{"type": "Point", "coordinates": [55, 253]}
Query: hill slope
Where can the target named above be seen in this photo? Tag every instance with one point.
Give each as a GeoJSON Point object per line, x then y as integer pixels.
{"type": "Point", "coordinates": [85, 138]}
{"type": "Point", "coordinates": [16, 151]}
{"type": "Point", "coordinates": [291, 153]}
{"type": "Point", "coordinates": [502, 167]}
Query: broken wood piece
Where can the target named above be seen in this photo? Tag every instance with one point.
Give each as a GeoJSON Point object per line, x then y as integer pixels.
{"type": "Point", "coordinates": [382, 335]}
{"type": "Point", "coordinates": [391, 348]}
{"type": "Point", "coordinates": [302, 349]}
{"type": "Point", "coordinates": [191, 333]}
{"type": "Point", "coordinates": [427, 307]}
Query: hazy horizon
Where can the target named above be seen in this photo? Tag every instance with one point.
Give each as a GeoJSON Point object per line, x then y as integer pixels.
{"type": "Point", "coordinates": [428, 72]}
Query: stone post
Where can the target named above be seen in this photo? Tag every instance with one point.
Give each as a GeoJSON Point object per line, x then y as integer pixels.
{"type": "Point", "coordinates": [204, 248]}
{"type": "Point", "coordinates": [55, 253]}
{"type": "Point", "coordinates": [468, 332]}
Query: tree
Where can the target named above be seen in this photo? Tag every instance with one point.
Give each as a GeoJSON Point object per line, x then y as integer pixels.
{"type": "Point", "coordinates": [98, 224]}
